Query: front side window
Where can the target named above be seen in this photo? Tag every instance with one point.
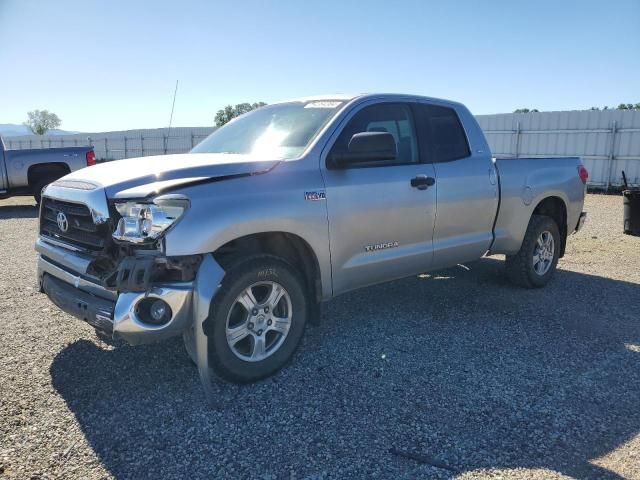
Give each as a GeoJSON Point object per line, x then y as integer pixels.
{"type": "Point", "coordinates": [394, 118]}
{"type": "Point", "coordinates": [276, 132]}
{"type": "Point", "coordinates": [441, 134]}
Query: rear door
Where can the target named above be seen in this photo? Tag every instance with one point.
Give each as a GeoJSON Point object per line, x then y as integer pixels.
{"type": "Point", "coordinates": [467, 190]}
{"type": "Point", "coordinates": [380, 227]}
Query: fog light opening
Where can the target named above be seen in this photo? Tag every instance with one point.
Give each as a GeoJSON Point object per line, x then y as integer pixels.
{"type": "Point", "coordinates": [154, 311]}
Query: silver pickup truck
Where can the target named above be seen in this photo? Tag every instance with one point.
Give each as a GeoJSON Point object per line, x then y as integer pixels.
{"type": "Point", "coordinates": [236, 244]}
{"type": "Point", "coordinates": [27, 172]}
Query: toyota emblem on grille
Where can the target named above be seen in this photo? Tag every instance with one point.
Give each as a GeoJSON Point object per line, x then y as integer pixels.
{"type": "Point", "coordinates": [63, 223]}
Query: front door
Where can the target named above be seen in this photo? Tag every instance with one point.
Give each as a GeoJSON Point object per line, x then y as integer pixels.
{"type": "Point", "coordinates": [380, 226]}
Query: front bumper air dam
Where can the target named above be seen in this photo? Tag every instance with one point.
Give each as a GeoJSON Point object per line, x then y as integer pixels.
{"type": "Point", "coordinates": [112, 313]}
{"type": "Point", "coordinates": [94, 310]}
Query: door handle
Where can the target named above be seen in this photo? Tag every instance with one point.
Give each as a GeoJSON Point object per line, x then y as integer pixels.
{"type": "Point", "coordinates": [422, 182]}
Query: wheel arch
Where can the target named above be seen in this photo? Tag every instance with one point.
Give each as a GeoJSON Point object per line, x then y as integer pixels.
{"type": "Point", "coordinates": [289, 246]}
{"type": "Point", "coordinates": [41, 170]}
{"type": "Point", "coordinates": [556, 208]}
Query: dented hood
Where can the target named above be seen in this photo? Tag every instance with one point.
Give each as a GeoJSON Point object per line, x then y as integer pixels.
{"type": "Point", "coordinates": [140, 177]}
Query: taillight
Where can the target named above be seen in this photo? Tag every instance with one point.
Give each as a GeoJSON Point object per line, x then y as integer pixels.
{"type": "Point", "coordinates": [91, 158]}
{"type": "Point", "coordinates": [583, 174]}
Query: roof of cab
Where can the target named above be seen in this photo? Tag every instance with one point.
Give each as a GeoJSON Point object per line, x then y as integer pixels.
{"type": "Point", "coordinates": [316, 98]}
{"type": "Point", "coordinates": [349, 97]}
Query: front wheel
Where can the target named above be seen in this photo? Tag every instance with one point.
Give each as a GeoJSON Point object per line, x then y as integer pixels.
{"type": "Point", "coordinates": [256, 320]}
{"type": "Point", "coordinates": [535, 263]}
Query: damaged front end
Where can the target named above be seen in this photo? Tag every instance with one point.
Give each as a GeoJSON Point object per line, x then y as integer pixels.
{"type": "Point", "coordinates": [132, 258]}
{"type": "Point", "coordinates": [155, 295]}
{"type": "Point", "coordinates": [103, 253]}
{"type": "Point", "coordinates": [114, 273]}
{"type": "Point", "coordinates": [128, 270]}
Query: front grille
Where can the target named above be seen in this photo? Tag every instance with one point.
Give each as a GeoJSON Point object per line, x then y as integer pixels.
{"type": "Point", "coordinates": [81, 232]}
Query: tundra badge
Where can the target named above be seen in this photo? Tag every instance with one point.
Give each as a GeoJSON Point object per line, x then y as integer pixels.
{"type": "Point", "coordinates": [315, 196]}
{"type": "Point", "coordinates": [380, 246]}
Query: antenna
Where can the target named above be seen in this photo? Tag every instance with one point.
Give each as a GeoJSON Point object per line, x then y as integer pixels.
{"type": "Point", "coordinates": [175, 92]}
{"type": "Point", "coordinates": [166, 138]}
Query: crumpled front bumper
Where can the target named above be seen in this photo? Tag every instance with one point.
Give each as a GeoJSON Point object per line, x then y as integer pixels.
{"type": "Point", "coordinates": [62, 275]}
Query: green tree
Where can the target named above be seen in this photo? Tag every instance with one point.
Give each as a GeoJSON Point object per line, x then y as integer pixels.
{"type": "Point", "coordinates": [629, 106]}
{"type": "Point", "coordinates": [229, 112]}
{"type": "Point", "coordinates": [525, 110]}
{"type": "Point", "coordinates": [40, 121]}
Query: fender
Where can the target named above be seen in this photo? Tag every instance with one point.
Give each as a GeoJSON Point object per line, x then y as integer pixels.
{"type": "Point", "coordinates": [224, 211]}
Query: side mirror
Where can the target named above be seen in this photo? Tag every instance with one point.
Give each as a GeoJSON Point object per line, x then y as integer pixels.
{"type": "Point", "coordinates": [367, 147]}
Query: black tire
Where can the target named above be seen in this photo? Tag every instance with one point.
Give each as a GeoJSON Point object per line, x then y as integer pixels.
{"type": "Point", "coordinates": [520, 268]}
{"type": "Point", "coordinates": [263, 268]}
{"type": "Point", "coordinates": [39, 185]}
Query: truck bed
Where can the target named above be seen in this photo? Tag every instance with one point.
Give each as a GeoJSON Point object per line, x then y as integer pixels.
{"type": "Point", "coordinates": [524, 182]}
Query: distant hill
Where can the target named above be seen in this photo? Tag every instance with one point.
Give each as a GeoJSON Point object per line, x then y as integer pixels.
{"type": "Point", "coordinates": [14, 130]}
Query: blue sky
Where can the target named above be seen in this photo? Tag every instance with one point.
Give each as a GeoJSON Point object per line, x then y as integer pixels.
{"type": "Point", "coordinates": [112, 65]}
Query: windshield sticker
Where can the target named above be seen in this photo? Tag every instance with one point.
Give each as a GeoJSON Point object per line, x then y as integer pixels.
{"type": "Point", "coordinates": [323, 104]}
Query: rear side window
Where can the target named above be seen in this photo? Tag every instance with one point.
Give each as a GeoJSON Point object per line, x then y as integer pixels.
{"type": "Point", "coordinates": [441, 133]}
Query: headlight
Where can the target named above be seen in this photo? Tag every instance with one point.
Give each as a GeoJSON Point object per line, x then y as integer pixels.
{"type": "Point", "coordinates": [144, 222]}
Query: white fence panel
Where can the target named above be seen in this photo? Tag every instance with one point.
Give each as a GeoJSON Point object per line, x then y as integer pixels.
{"type": "Point", "coordinates": [119, 145]}
{"type": "Point", "coordinates": [607, 140]}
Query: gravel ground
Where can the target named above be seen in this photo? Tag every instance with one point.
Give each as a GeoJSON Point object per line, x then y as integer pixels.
{"type": "Point", "coordinates": [455, 374]}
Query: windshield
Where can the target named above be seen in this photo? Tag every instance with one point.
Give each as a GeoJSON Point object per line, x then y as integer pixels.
{"type": "Point", "coordinates": [279, 132]}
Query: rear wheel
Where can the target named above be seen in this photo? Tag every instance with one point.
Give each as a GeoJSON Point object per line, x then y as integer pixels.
{"type": "Point", "coordinates": [256, 320]}
{"type": "Point", "coordinates": [535, 263]}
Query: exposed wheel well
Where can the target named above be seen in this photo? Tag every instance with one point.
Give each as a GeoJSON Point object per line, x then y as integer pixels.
{"type": "Point", "coordinates": [46, 171]}
{"type": "Point", "coordinates": [555, 208]}
{"type": "Point", "coordinates": [289, 247]}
